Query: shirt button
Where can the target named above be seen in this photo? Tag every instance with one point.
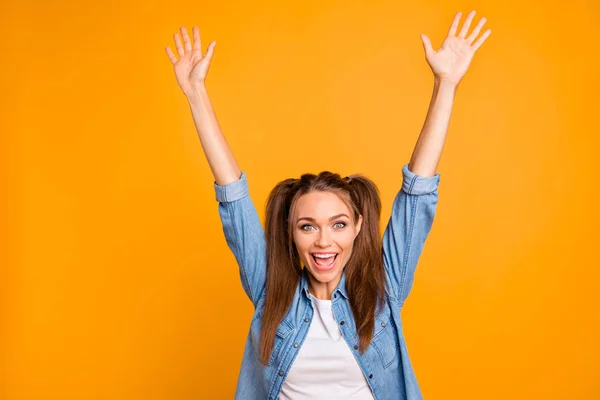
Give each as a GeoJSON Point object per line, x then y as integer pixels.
{"type": "Point", "coordinates": [383, 324]}
{"type": "Point", "coordinates": [371, 376]}
{"type": "Point", "coordinates": [335, 296]}
{"type": "Point", "coordinates": [295, 344]}
{"type": "Point", "coordinates": [355, 347]}
{"type": "Point", "coordinates": [281, 373]}
{"type": "Point", "coordinates": [342, 323]}
{"type": "Point", "coordinates": [305, 319]}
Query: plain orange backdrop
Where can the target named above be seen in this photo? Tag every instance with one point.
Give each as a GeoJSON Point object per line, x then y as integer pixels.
{"type": "Point", "coordinates": [118, 282]}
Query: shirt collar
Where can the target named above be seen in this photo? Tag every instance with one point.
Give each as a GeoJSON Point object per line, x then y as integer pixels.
{"type": "Point", "coordinates": [341, 287]}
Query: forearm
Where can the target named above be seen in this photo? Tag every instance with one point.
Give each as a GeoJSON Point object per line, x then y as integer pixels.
{"type": "Point", "coordinates": [220, 158]}
{"type": "Point", "coordinates": [428, 150]}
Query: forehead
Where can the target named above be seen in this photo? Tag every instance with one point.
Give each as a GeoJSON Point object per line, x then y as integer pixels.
{"type": "Point", "coordinates": [320, 205]}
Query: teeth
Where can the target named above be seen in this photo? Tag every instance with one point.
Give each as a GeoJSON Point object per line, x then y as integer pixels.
{"type": "Point", "coordinates": [324, 255]}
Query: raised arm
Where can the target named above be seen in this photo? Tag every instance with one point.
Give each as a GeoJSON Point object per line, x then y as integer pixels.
{"type": "Point", "coordinates": [404, 237]}
{"type": "Point", "coordinates": [449, 65]}
{"type": "Point", "coordinates": [415, 205]}
{"type": "Point", "coordinates": [191, 70]}
{"type": "Point", "coordinates": [241, 225]}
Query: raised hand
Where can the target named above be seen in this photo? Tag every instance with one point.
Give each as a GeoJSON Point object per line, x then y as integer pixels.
{"type": "Point", "coordinates": [191, 68]}
{"type": "Point", "coordinates": [451, 61]}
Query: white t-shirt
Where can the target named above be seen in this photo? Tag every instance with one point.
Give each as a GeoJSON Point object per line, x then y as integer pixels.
{"type": "Point", "coordinates": [325, 367]}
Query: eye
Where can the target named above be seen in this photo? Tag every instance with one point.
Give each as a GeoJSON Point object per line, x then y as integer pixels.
{"type": "Point", "coordinates": [342, 226]}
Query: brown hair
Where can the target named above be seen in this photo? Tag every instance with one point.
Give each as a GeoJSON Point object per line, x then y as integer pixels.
{"type": "Point", "coordinates": [364, 271]}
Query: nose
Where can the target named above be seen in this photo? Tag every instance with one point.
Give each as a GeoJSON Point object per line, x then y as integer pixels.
{"type": "Point", "coordinates": [323, 239]}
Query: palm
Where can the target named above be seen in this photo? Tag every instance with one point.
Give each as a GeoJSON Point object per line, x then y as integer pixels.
{"type": "Point", "coordinates": [192, 66]}
{"type": "Point", "coordinates": [452, 60]}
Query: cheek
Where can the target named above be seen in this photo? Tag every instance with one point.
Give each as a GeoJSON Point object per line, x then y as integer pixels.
{"type": "Point", "coordinates": [346, 240]}
{"type": "Point", "coordinates": [302, 242]}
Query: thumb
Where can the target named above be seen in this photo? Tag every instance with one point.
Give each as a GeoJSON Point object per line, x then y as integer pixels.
{"type": "Point", "coordinates": [210, 51]}
{"type": "Point", "coordinates": [427, 45]}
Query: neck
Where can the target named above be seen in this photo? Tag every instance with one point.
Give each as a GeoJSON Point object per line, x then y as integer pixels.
{"type": "Point", "coordinates": [322, 290]}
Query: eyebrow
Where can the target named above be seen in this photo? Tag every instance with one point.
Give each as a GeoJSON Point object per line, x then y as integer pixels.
{"type": "Point", "coordinates": [332, 218]}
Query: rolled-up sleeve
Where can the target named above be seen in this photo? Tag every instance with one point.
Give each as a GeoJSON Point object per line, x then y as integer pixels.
{"type": "Point", "coordinates": [413, 211]}
{"type": "Point", "coordinates": [244, 234]}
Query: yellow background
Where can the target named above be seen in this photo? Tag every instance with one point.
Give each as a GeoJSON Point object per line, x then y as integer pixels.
{"type": "Point", "coordinates": [118, 283]}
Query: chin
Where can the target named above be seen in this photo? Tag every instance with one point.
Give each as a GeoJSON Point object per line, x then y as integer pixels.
{"type": "Point", "coordinates": [324, 276]}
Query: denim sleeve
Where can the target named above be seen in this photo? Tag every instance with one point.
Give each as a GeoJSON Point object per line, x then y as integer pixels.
{"type": "Point", "coordinates": [244, 234]}
{"type": "Point", "coordinates": [404, 237]}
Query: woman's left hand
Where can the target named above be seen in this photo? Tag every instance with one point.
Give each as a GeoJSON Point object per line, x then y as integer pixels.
{"type": "Point", "coordinates": [450, 63]}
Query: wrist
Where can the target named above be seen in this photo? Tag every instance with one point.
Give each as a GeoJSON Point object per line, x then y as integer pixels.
{"type": "Point", "coordinates": [198, 93]}
{"type": "Point", "coordinates": [440, 81]}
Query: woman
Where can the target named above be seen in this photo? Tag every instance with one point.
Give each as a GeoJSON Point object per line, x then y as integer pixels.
{"type": "Point", "coordinates": [327, 293]}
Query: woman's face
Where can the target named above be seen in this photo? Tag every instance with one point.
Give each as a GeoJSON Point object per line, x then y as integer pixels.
{"type": "Point", "coordinates": [324, 235]}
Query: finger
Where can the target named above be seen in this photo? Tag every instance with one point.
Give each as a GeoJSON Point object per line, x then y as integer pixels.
{"type": "Point", "coordinates": [186, 40]}
{"type": "Point", "coordinates": [210, 51]}
{"type": "Point", "coordinates": [178, 45]}
{"type": "Point", "coordinates": [427, 45]}
{"type": "Point", "coordinates": [475, 32]}
{"type": "Point", "coordinates": [196, 32]}
{"type": "Point", "coordinates": [171, 55]}
{"type": "Point", "coordinates": [466, 25]}
{"type": "Point", "coordinates": [454, 25]}
{"type": "Point", "coordinates": [481, 39]}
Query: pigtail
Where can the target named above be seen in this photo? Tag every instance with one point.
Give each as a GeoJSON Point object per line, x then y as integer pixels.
{"type": "Point", "coordinates": [365, 272]}
{"type": "Point", "coordinates": [283, 265]}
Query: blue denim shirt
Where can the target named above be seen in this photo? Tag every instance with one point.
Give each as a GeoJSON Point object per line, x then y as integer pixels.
{"type": "Point", "coordinates": [385, 363]}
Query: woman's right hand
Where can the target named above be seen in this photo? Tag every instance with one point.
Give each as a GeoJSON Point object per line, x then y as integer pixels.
{"type": "Point", "coordinates": [191, 68]}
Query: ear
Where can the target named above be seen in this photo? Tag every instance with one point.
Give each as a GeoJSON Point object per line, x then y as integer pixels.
{"type": "Point", "coordinates": [358, 225]}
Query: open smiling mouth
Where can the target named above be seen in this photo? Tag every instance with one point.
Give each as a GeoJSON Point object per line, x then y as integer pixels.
{"type": "Point", "coordinates": [324, 262]}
